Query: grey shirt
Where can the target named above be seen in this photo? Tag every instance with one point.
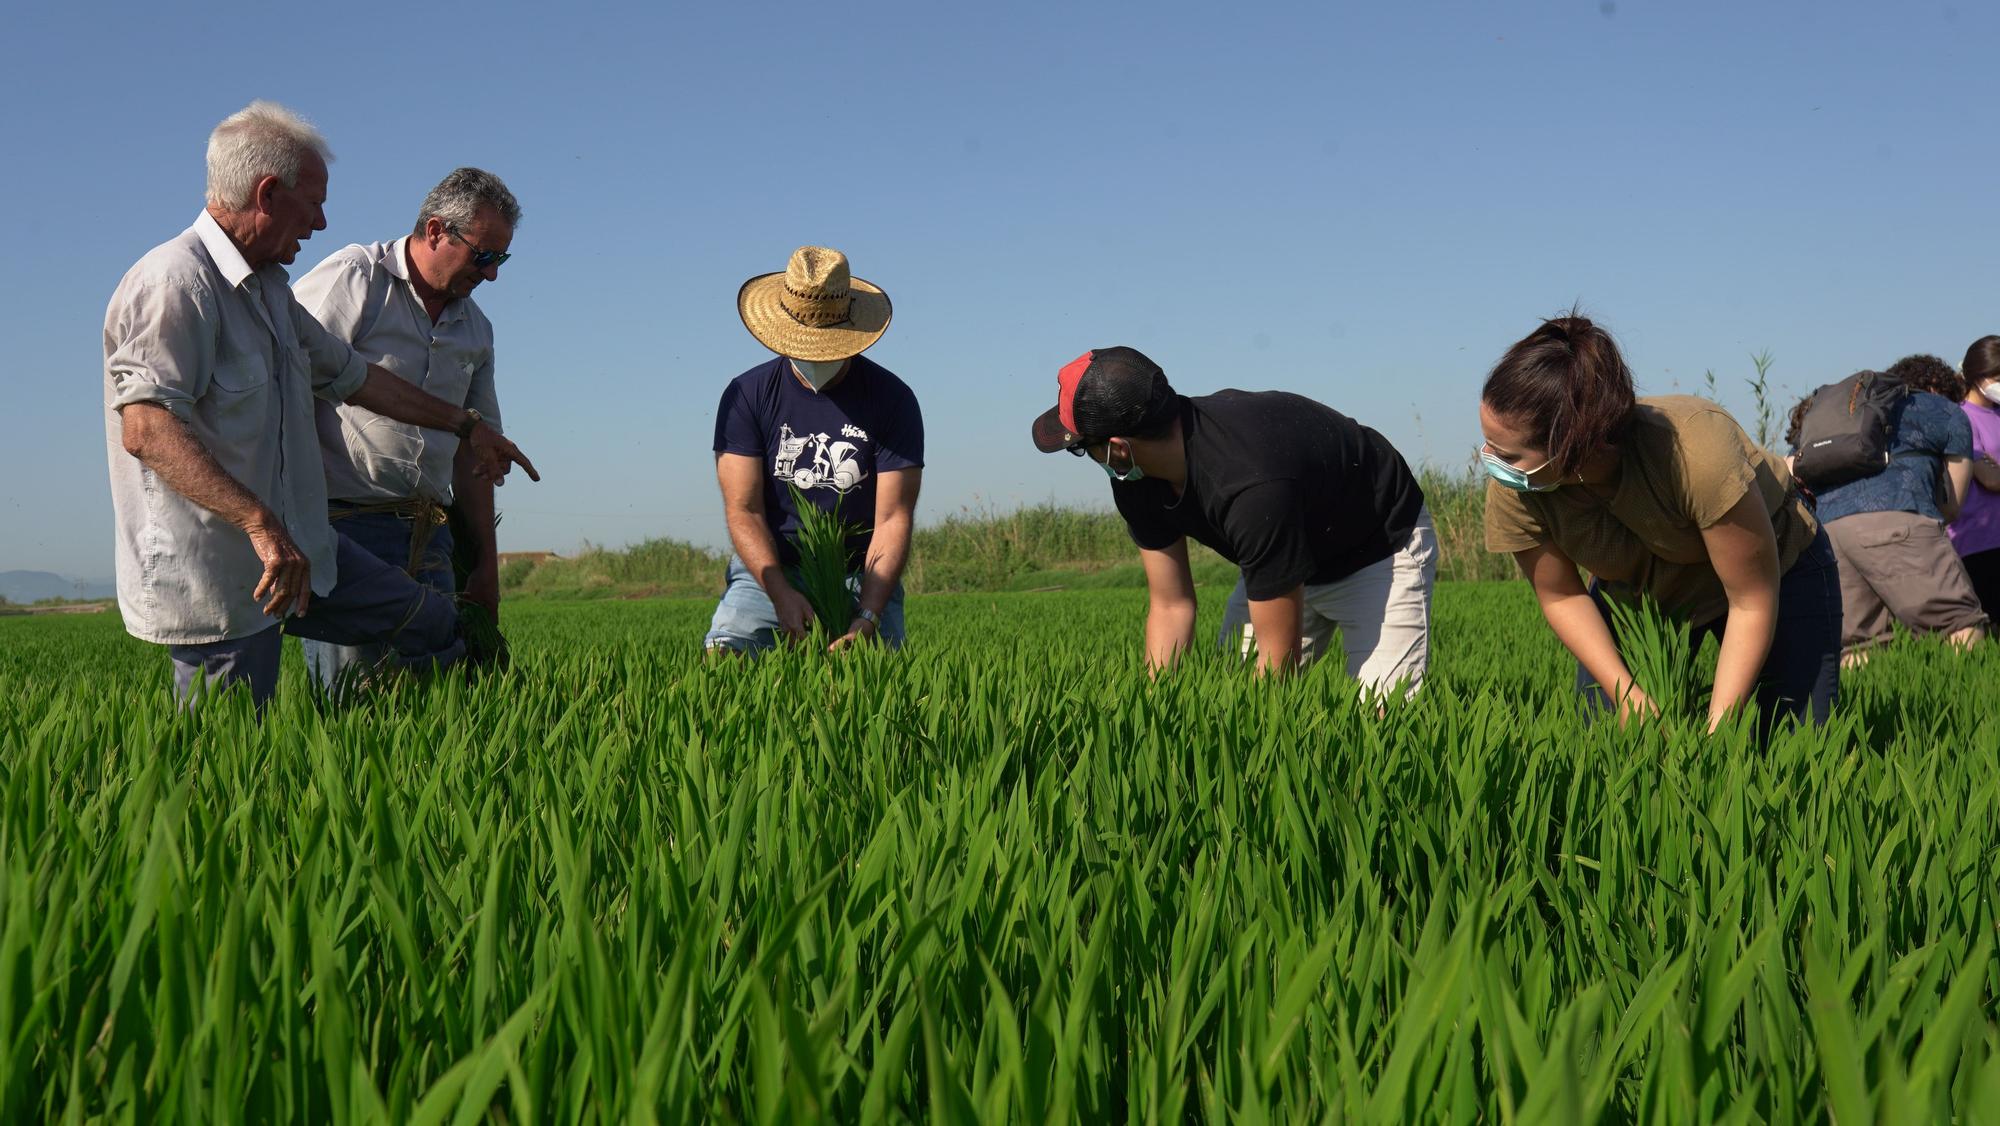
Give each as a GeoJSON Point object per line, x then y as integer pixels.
{"type": "Point", "coordinates": [363, 295]}
{"type": "Point", "coordinates": [231, 353]}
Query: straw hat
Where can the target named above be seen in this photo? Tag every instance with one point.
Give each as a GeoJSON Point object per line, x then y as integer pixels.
{"type": "Point", "coordinates": [814, 311]}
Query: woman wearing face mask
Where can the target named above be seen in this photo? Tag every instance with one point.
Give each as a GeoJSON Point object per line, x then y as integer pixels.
{"type": "Point", "coordinates": [1975, 534]}
{"type": "Point", "coordinates": [1664, 498]}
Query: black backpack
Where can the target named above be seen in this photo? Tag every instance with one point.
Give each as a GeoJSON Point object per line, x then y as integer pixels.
{"type": "Point", "coordinates": [1844, 434]}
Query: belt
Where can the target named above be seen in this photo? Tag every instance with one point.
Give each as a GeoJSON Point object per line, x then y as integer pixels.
{"type": "Point", "coordinates": [426, 516]}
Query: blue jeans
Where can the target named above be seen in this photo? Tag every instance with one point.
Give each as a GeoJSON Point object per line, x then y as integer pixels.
{"type": "Point", "coordinates": [1801, 674]}
{"type": "Point", "coordinates": [746, 622]}
{"type": "Point", "coordinates": [386, 536]}
{"type": "Point", "coordinates": [372, 602]}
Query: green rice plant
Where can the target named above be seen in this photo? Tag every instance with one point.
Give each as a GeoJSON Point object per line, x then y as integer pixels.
{"type": "Point", "coordinates": [1000, 877]}
{"type": "Point", "coordinates": [822, 544]}
{"type": "Point", "coordinates": [1659, 650]}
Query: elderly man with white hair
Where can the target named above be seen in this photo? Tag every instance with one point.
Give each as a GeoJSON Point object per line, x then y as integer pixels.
{"type": "Point", "coordinates": [407, 305]}
{"type": "Point", "coordinates": [219, 494]}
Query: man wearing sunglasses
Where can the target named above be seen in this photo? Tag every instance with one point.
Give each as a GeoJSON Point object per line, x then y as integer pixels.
{"type": "Point", "coordinates": [407, 494]}
{"type": "Point", "coordinates": [211, 370]}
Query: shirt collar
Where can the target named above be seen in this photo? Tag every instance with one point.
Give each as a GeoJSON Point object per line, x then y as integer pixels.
{"type": "Point", "coordinates": [227, 258]}
{"type": "Point", "coordinates": [398, 263]}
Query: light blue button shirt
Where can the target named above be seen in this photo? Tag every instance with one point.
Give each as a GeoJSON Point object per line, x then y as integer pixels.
{"type": "Point", "coordinates": [230, 352]}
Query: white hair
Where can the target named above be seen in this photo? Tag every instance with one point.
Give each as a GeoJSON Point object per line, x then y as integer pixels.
{"type": "Point", "coordinates": [261, 139]}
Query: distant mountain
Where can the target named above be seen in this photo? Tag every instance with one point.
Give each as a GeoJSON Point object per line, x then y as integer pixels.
{"type": "Point", "coordinates": [21, 587]}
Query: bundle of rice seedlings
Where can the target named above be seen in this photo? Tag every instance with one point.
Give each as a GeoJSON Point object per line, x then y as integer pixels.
{"type": "Point", "coordinates": [485, 646]}
{"type": "Point", "coordinates": [1660, 651]}
{"type": "Point", "coordinates": [822, 546]}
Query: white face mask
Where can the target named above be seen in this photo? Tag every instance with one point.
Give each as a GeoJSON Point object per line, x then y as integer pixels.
{"type": "Point", "coordinates": [819, 374]}
{"type": "Point", "coordinates": [1991, 389]}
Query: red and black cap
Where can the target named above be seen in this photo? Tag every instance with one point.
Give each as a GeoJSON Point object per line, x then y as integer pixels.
{"type": "Point", "coordinates": [1104, 393]}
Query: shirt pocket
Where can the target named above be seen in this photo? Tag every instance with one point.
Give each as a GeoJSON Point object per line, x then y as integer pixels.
{"type": "Point", "coordinates": [450, 376]}
{"type": "Point", "coordinates": [238, 402]}
{"type": "Point", "coordinates": [240, 373]}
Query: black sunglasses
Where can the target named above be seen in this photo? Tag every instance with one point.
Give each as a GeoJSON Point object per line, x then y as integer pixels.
{"type": "Point", "coordinates": [481, 257]}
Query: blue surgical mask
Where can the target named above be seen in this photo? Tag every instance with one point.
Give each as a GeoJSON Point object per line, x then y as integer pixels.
{"type": "Point", "coordinates": [818, 374]}
{"type": "Point", "coordinates": [1513, 478]}
{"type": "Point", "coordinates": [1133, 474]}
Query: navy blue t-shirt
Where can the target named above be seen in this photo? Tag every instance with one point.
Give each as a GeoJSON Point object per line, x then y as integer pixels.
{"type": "Point", "coordinates": [829, 446]}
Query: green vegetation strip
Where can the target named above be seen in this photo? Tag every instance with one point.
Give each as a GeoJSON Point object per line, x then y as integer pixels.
{"type": "Point", "coordinates": [1001, 877]}
{"type": "Point", "coordinates": [1038, 547]}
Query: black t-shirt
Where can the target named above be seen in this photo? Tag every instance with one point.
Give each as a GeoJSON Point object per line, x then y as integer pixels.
{"type": "Point", "coordinates": [1290, 490]}
{"type": "Point", "coordinates": [829, 446]}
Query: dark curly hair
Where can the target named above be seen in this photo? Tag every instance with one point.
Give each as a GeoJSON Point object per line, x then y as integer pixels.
{"type": "Point", "coordinates": [1925, 372]}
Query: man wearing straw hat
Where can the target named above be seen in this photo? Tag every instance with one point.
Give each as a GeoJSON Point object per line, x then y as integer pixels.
{"type": "Point", "coordinates": [1321, 514]}
{"type": "Point", "coordinates": [819, 424]}
{"type": "Point", "coordinates": [407, 305]}
{"type": "Point", "coordinates": [210, 371]}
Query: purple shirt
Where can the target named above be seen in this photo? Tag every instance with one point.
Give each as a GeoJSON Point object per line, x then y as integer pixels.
{"type": "Point", "coordinates": [1978, 525]}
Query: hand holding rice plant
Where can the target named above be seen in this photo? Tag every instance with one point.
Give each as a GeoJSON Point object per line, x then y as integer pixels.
{"type": "Point", "coordinates": [822, 545]}
{"type": "Point", "coordinates": [1660, 652]}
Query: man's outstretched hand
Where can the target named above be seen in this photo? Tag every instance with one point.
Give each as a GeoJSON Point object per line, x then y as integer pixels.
{"type": "Point", "coordinates": [495, 454]}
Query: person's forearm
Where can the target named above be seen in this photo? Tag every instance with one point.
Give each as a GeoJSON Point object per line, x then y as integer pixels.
{"type": "Point", "coordinates": [392, 397]}
{"type": "Point", "coordinates": [1746, 642]}
{"type": "Point", "coordinates": [165, 445]}
{"type": "Point", "coordinates": [1987, 473]}
{"type": "Point", "coordinates": [474, 498]}
{"type": "Point", "coordinates": [755, 545]}
{"type": "Point", "coordinates": [888, 554]}
{"type": "Point", "coordinates": [1581, 629]}
{"type": "Point", "coordinates": [1169, 632]}
{"type": "Point", "coordinates": [1275, 625]}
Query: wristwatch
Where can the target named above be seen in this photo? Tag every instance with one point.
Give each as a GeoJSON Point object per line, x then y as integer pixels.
{"type": "Point", "coordinates": [472, 419]}
{"type": "Point", "coordinates": [871, 617]}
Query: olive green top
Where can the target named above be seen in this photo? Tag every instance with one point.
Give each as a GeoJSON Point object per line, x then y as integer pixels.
{"type": "Point", "coordinates": [1683, 466]}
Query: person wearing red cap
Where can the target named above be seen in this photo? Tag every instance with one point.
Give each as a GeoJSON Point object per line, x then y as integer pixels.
{"type": "Point", "coordinates": [1321, 513]}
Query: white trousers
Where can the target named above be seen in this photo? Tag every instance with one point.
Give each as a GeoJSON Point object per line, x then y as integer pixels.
{"type": "Point", "coordinates": [1383, 612]}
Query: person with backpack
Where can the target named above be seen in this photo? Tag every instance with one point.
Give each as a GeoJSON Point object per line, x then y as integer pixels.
{"type": "Point", "coordinates": [1975, 534]}
{"type": "Point", "coordinates": [1888, 465]}
{"type": "Point", "coordinates": [1663, 499]}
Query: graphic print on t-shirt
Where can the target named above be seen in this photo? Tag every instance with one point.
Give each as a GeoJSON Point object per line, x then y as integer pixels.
{"type": "Point", "coordinates": [819, 460]}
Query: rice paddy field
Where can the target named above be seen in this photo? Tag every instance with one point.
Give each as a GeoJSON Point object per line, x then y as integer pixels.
{"type": "Point", "coordinates": [1000, 877]}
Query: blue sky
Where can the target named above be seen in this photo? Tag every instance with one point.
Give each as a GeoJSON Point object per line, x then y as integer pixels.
{"type": "Point", "coordinates": [1361, 203]}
